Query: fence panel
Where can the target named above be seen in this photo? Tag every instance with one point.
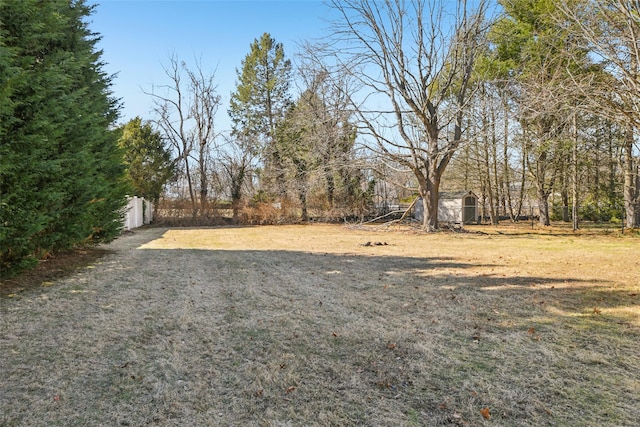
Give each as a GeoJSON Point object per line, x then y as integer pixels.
{"type": "Point", "coordinates": [138, 213]}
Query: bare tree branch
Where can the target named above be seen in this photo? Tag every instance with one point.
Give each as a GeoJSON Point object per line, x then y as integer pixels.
{"type": "Point", "coordinates": [417, 56]}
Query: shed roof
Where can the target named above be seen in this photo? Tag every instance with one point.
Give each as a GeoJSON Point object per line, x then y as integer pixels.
{"type": "Point", "coordinates": [456, 194]}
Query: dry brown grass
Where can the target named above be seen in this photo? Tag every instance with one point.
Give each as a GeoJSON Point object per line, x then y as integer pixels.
{"type": "Point", "coordinates": [308, 325]}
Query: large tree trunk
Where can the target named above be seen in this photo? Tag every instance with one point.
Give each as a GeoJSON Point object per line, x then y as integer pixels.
{"type": "Point", "coordinates": [489, 187]}
{"type": "Point", "coordinates": [203, 182]}
{"type": "Point", "coordinates": [192, 197]}
{"type": "Point", "coordinates": [235, 207]}
{"type": "Point", "coordinates": [543, 206]}
{"type": "Point", "coordinates": [505, 163]}
{"type": "Point", "coordinates": [236, 164]}
{"type": "Point", "coordinates": [523, 180]}
{"type": "Point", "coordinates": [494, 164]}
{"type": "Point", "coordinates": [544, 183]}
{"type": "Point", "coordinates": [428, 190]}
{"type": "Point", "coordinates": [574, 170]}
{"type": "Point", "coordinates": [631, 193]}
{"type": "Point", "coordinates": [330, 185]}
{"type": "Point", "coordinates": [564, 196]}
{"type": "Point", "coordinates": [276, 171]}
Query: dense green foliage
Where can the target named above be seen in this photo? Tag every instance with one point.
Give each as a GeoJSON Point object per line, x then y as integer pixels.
{"type": "Point", "coordinates": [260, 102]}
{"type": "Point", "coordinates": [262, 93]}
{"type": "Point", "coordinates": [60, 167]}
{"type": "Point", "coordinates": [147, 158]}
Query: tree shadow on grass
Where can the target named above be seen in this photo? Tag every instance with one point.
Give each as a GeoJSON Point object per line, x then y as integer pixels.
{"type": "Point", "coordinates": [287, 318]}
{"type": "Point", "coordinates": [569, 294]}
{"type": "Point", "coordinates": [369, 272]}
{"type": "Point", "coordinates": [55, 268]}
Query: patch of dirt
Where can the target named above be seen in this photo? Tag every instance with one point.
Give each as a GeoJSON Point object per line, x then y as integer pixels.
{"type": "Point", "coordinates": [54, 268]}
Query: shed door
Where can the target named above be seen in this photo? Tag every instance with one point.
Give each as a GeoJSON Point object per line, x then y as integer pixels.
{"type": "Point", "coordinates": [469, 209]}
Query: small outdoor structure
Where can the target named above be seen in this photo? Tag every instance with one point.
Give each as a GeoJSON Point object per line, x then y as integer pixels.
{"type": "Point", "coordinates": [459, 207]}
{"type": "Point", "coordinates": [137, 213]}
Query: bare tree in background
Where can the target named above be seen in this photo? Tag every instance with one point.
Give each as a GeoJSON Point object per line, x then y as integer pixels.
{"type": "Point", "coordinates": [173, 128]}
{"type": "Point", "coordinates": [325, 112]}
{"type": "Point", "coordinates": [186, 113]}
{"type": "Point", "coordinates": [543, 116]}
{"type": "Point", "coordinates": [415, 58]}
{"type": "Point", "coordinates": [611, 30]}
{"type": "Point", "coordinates": [204, 106]}
{"type": "Point", "coordinates": [238, 159]}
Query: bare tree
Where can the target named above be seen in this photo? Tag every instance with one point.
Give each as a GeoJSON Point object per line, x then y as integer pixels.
{"type": "Point", "coordinates": [484, 141]}
{"type": "Point", "coordinates": [543, 112]}
{"type": "Point", "coordinates": [166, 107]}
{"type": "Point", "coordinates": [238, 159]}
{"type": "Point", "coordinates": [417, 58]}
{"type": "Point", "coordinates": [492, 161]}
{"type": "Point", "coordinates": [514, 176]}
{"type": "Point", "coordinates": [204, 106]}
{"type": "Point", "coordinates": [186, 113]}
{"type": "Point", "coordinates": [611, 30]}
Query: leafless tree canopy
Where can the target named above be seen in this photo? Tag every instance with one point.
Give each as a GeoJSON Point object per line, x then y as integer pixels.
{"type": "Point", "coordinates": [186, 113]}
{"type": "Point", "coordinates": [529, 111]}
{"type": "Point", "coordinates": [415, 59]}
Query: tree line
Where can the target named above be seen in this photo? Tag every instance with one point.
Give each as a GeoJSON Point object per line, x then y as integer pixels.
{"type": "Point", "coordinates": [530, 104]}
{"type": "Point", "coordinates": [531, 101]}
{"type": "Point", "coordinates": [525, 102]}
{"type": "Point", "coordinates": [553, 116]}
{"type": "Point", "coordinates": [282, 154]}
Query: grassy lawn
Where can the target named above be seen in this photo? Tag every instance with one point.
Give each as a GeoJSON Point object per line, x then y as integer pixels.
{"type": "Point", "coordinates": [327, 325]}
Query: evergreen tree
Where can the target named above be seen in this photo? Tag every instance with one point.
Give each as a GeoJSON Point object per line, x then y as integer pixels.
{"type": "Point", "coordinates": [60, 168]}
{"type": "Point", "coordinates": [541, 61]}
{"type": "Point", "coordinates": [294, 144]}
{"type": "Point", "coordinates": [148, 160]}
{"type": "Point", "coordinates": [315, 142]}
{"type": "Point", "coordinates": [261, 100]}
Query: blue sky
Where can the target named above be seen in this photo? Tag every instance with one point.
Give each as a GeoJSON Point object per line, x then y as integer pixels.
{"type": "Point", "coordinates": [139, 36]}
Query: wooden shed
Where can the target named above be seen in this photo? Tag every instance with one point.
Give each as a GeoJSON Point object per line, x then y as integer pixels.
{"type": "Point", "coordinates": [459, 207]}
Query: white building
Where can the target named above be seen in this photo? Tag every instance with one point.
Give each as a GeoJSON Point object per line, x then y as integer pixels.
{"type": "Point", "coordinates": [459, 207]}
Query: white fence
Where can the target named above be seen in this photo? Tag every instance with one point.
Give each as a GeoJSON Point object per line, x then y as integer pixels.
{"type": "Point", "coordinates": [138, 213]}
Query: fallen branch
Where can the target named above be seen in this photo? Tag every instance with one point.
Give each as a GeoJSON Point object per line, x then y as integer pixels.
{"type": "Point", "coordinates": [382, 216]}
{"type": "Point", "coordinates": [404, 215]}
